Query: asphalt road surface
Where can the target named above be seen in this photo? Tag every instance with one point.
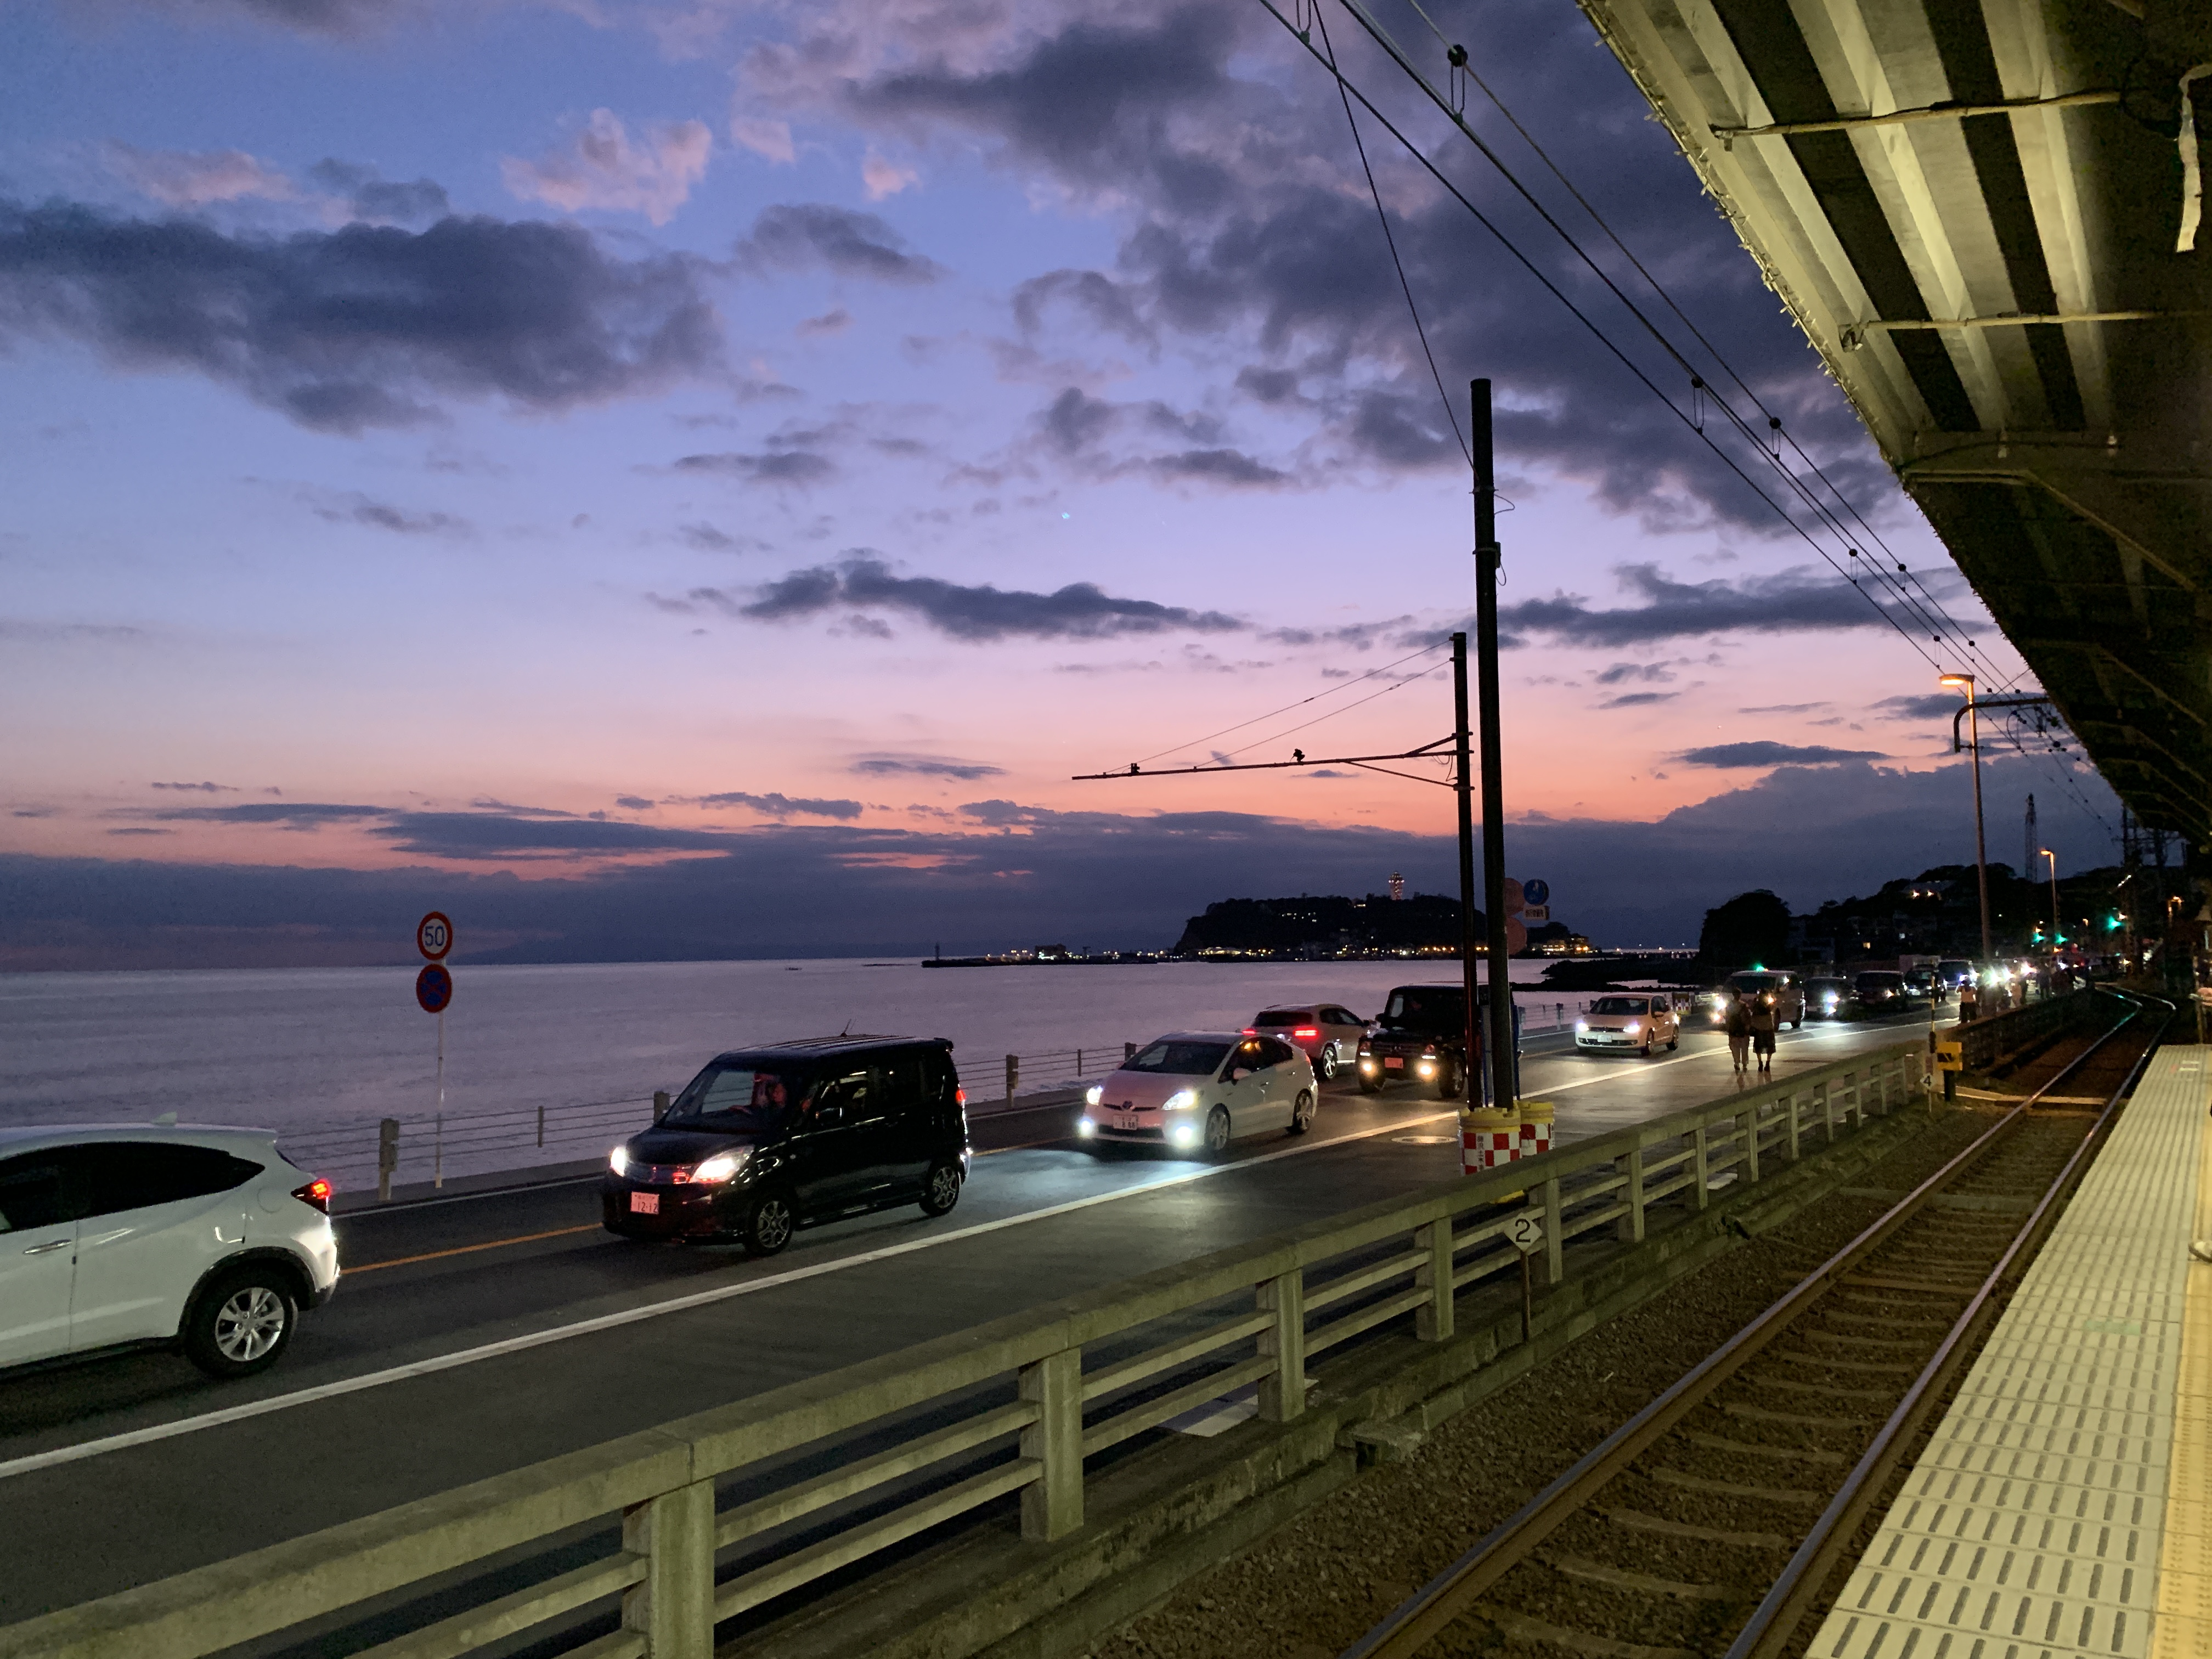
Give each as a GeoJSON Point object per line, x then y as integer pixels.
{"type": "Point", "coordinates": [472, 1334]}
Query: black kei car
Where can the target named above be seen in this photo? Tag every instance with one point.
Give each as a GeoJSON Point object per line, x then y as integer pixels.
{"type": "Point", "coordinates": [1420, 1036]}
{"type": "Point", "coordinates": [765, 1141]}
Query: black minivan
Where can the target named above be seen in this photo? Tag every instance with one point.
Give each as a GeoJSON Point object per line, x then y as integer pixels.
{"type": "Point", "coordinates": [765, 1141]}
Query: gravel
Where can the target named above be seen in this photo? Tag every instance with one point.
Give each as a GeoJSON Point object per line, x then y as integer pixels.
{"type": "Point", "coordinates": [1314, 1586]}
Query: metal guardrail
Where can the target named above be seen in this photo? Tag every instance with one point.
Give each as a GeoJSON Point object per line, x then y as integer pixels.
{"type": "Point", "coordinates": [1988, 1040]}
{"type": "Point", "coordinates": [396, 1149]}
{"type": "Point", "coordinates": [1031, 1397]}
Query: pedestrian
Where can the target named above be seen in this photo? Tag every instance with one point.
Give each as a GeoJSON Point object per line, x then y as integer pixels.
{"type": "Point", "coordinates": [1736, 1022]}
{"type": "Point", "coordinates": [1766, 1020]}
{"type": "Point", "coordinates": [1970, 1002]}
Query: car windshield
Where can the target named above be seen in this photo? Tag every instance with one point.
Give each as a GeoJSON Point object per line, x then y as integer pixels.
{"type": "Point", "coordinates": [1756, 984]}
{"type": "Point", "coordinates": [1428, 1007]}
{"type": "Point", "coordinates": [1621, 1005]}
{"type": "Point", "coordinates": [738, 1098]}
{"type": "Point", "coordinates": [1880, 981]}
{"type": "Point", "coordinates": [1275, 1018]}
{"type": "Point", "coordinates": [1176, 1057]}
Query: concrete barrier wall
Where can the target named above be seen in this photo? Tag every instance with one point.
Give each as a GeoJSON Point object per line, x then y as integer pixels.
{"type": "Point", "coordinates": [1257, 1315]}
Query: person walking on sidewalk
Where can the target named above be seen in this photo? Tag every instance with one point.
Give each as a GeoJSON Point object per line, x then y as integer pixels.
{"type": "Point", "coordinates": [1736, 1022]}
{"type": "Point", "coordinates": [1766, 1020]}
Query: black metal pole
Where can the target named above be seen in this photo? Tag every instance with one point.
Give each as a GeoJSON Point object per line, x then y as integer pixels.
{"type": "Point", "coordinates": [1470, 952]}
{"type": "Point", "coordinates": [1486, 559]}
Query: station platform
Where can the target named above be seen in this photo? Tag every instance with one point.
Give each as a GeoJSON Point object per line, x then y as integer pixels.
{"type": "Point", "coordinates": [2063, 1505]}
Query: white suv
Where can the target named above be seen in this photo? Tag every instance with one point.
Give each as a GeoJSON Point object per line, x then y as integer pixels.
{"type": "Point", "coordinates": [117, 1236]}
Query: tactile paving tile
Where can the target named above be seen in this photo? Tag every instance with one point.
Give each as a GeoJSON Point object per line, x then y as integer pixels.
{"type": "Point", "coordinates": [2034, 1524]}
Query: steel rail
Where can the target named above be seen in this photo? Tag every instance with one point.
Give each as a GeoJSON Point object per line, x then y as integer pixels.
{"type": "Point", "coordinates": [1778, 1614]}
{"type": "Point", "coordinates": [1423, 1616]}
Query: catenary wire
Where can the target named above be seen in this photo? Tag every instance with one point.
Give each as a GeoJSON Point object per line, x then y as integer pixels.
{"type": "Point", "coordinates": [1398, 686]}
{"type": "Point", "coordinates": [1936, 622]}
{"type": "Point", "coordinates": [1604, 339]}
{"type": "Point", "coordinates": [1941, 615]}
{"type": "Point", "coordinates": [1407, 288]}
{"type": "Point", "coordinates": [1332, 691]}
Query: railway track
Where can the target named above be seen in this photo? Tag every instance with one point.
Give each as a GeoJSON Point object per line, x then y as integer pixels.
{"type": "Point", "coordinates": [1708, 1524]}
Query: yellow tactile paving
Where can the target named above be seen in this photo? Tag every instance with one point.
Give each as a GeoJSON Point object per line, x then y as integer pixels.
{"type": "Point", "coordinates": [2182, 1627]}
{"type": "Point", "coordinates": [2059, 1510]}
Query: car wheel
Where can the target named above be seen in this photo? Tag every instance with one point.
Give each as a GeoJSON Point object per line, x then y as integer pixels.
{"type": "Point", "coordinates": [1673, 1043]}
{"type": "Point", "coordinates": [941, 1189]}
{"type": "Point", "coordinates": [1447, 1082]}
{"type": "Point", "coordinates": [242, 1324]}
{"type": "Point", "coordinates": [1326, 1064]}
{"type": "Point", "coordinates": [1302, 1112]}
{"type": "Point", "coordinates": [769, 1223]}
{"type": "Point", "coordinates": [1370, 1084]}
{"type": "Point", "coordinates": [1217, 1132]}
{"type": "Point", "coordinates": [1645, 1051]}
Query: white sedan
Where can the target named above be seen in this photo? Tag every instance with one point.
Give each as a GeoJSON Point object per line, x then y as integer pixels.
{"type": "Point", "coordinates": [1194, 1091]}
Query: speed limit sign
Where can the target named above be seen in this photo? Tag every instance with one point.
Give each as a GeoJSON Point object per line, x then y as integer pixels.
{"type": "Point", "coordinates": [434, 935]}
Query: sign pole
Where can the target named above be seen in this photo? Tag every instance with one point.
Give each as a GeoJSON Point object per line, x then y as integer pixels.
{"type": "Point", "coordinates": [438, 1160]}
{"type": "Point", "coordinates": [434, 990]}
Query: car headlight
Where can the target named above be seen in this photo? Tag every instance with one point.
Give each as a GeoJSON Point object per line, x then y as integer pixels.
{"type": "Point", "coordinates": [1086, 1126]}
{"type": "Point", "coordinates": [1367, 1062]}
{"type": "Point", "coordinates": [1093, 1095]}
{"type": "Point", "coordinates": [1582, 1025]}
{"type": "Point", "coordinates": [721, 1167]}
{"type": "Point", "coordinates": [618, 1159]}
{"type": "Point", "coordinates": [1181, 1101]}
{"type": "Point", "coordinates": [1633, 1027]}
{"type": "Point", "coordinates": [1184, 1134]}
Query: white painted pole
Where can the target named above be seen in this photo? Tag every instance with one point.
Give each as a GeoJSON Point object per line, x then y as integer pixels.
{"type": "Point", "coordinates": [438, 1157]}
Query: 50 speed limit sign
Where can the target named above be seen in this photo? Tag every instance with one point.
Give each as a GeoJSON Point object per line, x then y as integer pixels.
{"type": "Point", "coordinates": [434, 935]}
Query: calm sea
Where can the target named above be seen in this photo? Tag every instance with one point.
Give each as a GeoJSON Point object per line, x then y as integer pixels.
{"type": "Point", "coordinates": [313, 1049]}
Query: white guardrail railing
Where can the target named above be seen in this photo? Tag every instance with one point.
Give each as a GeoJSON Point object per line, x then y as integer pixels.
{"type": "Point", "coordinates": [1013, 1407]}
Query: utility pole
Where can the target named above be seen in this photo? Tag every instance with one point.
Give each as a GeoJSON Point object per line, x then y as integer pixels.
{"type": "Point", "coordinates": [1469, 953]}
{"type": "Point", "coordinates": [1487, 557]}
{"type": "Point", "coordinates": [1981, 851]}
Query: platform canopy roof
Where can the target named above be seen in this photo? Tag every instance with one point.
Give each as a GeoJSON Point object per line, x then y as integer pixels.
{"type": "Point", "coordinates": [1976, 208]}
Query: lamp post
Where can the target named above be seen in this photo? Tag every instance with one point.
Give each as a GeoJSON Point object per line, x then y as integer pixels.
{"type": "Point", "coordinates": [1965, 682]}
{"type": "Point", "coordinates": [2053, 857]}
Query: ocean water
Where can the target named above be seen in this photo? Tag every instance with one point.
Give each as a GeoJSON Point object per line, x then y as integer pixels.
{"type": "Point", "coordinates": [310, 1052]}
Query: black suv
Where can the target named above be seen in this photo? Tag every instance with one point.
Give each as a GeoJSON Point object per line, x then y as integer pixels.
{"type": "Point", "coordinates": [765, 1141]}
{"type": "Point", "coordinates": [1420, 1036]}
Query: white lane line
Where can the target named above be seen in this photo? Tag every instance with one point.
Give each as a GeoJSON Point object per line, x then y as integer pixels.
{"type": "Point", "coordinates": [88, 1449]}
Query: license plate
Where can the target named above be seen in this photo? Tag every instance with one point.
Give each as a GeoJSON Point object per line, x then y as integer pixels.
{"type": "Point", "coordinates": [645, 1203]}
{"type": "Point", "coordinates": [1127, 1120]}
{"type": "Point", "coordinates": [1392, 1063]}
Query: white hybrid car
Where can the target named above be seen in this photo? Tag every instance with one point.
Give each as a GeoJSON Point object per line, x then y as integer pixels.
{"type": "Point", "coordinates": [124, 1236]}
{"type": "Point", "coordinates": [1197, 1091]}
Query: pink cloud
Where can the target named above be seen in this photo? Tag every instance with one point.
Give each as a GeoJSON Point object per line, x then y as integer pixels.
{"type": "Point", "coordinates": [182, 178]}
{"type": "Point", "coordinates": [605, 168]}
{"type": "Point", "coordinates": [770, 139]}
{"type": "Point", "coordinates": [885, 178]}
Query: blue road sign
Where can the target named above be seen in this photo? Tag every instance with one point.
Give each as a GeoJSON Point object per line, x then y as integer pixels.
{"type": "Point", "coordinates": [1535, 892]}
{"type": "Point", "coordinates": [433, 988]}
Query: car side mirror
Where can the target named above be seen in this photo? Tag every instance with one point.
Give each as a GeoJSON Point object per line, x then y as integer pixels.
{"type": "Point", "coordinates": [660, 1104]}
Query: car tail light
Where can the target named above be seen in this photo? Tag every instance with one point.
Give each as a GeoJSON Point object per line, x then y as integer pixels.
{"type": "Point", "coordinates": [1251, 1031]}
{"type": "Point", "coordinates": [1307, 1030]}
{"type": "Point", "coordinates": [317, 1192]}
{"type": "Point", "coordinates": [959, 1096]}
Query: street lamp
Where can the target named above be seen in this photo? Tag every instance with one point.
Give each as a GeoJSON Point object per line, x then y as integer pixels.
{"type": "Point", "coordinates": [1965, 682]}
{"type": "Point", "coordinates": [2053, 857]}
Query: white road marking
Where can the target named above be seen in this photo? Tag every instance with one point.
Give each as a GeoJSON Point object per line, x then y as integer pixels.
{"type": "Point", "coordinates": [453, 1361]}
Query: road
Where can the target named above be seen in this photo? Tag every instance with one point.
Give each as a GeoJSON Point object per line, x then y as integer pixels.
{"type": "Point", "coordinates": [474, 1334]}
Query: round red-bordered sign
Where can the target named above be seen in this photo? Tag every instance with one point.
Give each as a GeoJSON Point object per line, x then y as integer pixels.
{"type": "Point", "coordinates": [434, 935]}
{"type": "Point", "coordinates": [433, 988]}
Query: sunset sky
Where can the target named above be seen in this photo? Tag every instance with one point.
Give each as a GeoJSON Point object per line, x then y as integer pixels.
{"type": "Point", "coordinates": [753, 454]}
